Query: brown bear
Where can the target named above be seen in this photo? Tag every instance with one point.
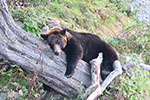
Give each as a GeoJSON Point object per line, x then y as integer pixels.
{"type": "Point", "coordinates": [78, 45]}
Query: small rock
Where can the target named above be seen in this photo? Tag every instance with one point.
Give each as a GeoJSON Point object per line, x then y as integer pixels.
{"type": "Point", "coordinates": [3, 96]}
{"type": "Point", "coordinates": [13, 94]}
{"type": "Point", "coordinates": [20, 24]}
{"type": "Point", "coordinates": [20, 93]}
{"type": "Point", "coordinates": [142, 6]}
{"type": "Point", "coordinates": [53, 23]}
{"type": "Point", "coordinates": [45, 29]}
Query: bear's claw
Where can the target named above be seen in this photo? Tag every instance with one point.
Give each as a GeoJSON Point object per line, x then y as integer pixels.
{"type": "Point", "coordinates": [68, 75]}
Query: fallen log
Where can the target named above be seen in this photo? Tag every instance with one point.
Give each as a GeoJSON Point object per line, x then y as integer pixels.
{"type": "Point", "coordinates": [29, 52]}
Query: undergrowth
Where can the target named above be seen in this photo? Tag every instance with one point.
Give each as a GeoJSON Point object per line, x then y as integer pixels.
{"type": "Point", "coordinates": [135, 85]}
{"type": "Point", "coordinates": [16, 83]}
{"type": "Point", "coordinates": [85, 15]}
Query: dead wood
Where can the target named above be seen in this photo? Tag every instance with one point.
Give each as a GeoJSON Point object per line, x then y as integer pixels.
{"type": "Point", "coordinates": [96, 88]}
{"type": "Point", "coordinates": [30, 52]}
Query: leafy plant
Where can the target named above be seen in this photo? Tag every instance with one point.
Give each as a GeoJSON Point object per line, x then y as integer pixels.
{"type": "Point", "coordinates": [136, 85]}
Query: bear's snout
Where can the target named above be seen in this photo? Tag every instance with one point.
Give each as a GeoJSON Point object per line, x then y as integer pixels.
{"type": "Point", "coordinates": [57, 49]}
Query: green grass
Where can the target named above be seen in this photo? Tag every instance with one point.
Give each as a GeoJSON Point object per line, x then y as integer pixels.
{"type": "Point", "coordinates": [135, 84]}
{"type": "Point", "coordinates": [78, 14]}
{"type": "Point", "coordinates": [13, 79]}
{"type": "Point", "coordinates": [136, 40]}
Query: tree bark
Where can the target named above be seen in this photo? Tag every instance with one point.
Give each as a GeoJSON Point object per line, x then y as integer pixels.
{"type": "Point", "coordinates": [30, 52]}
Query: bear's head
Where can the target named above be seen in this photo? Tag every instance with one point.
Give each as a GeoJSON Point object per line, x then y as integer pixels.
{"type": "Point", "coordinates": [56, 38]}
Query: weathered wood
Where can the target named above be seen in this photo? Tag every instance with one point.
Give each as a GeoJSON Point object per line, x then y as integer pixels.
{"type": "Point", "coordinates": [30, 52]}
{"type": "Point", "coordinates": [101, 87]}
{"type": "Point", "coordinates": [95, 73]}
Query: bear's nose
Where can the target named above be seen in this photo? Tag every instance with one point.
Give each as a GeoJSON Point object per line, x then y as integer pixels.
{"type": "Point", "coordinates": [56, 53]}
{"type": "Point", "coordinates": [57, 49]}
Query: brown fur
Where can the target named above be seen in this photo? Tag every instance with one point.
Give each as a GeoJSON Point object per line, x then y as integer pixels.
{"type": "Point", "coordinates": [56, 30]}
{"type": "Point", "coordinates": [79, 45]}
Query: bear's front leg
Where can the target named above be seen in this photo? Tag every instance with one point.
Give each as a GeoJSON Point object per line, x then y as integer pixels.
{"type": "Point", "coordinates": [70, 69]}
{"type": "Point", "coordinates": [74, 53]}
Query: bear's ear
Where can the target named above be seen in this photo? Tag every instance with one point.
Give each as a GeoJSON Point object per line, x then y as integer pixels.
{"type": "Point", "coordinates": [63, 32]}
{"type": "Point", "coordinates": [44, 36]}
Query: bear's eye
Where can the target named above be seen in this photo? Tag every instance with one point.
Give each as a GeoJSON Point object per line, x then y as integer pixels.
{"type": "Point", "coordinates": [51, 45]}
{"type": "Point", "coordinates": [60, 43]}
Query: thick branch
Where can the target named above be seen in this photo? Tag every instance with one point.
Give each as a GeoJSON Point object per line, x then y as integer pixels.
{"type": "Point", "coordinates": [30, 52]}
{"type": "Point", "coordinates": [97, 87]}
